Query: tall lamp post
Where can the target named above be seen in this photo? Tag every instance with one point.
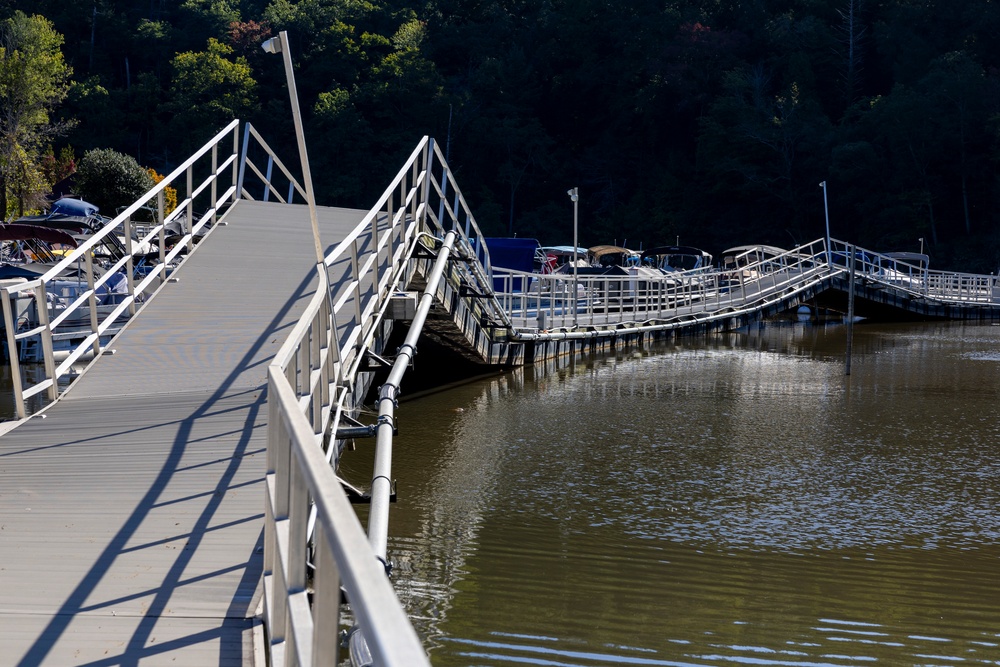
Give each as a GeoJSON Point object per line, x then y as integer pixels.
{"type": "Point", "coordinates": [279, 44]}
{"type": "Point", "coordinates": [826, 210]}
{"type": "Point", "coordinates": [574, 196]}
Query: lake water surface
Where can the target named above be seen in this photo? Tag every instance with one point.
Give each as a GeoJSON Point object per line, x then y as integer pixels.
{"type": "Point", "coordinates": [735, 500]}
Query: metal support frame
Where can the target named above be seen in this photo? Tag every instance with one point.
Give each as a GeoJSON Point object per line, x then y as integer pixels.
{"type": "Point", "coordinates": [412, 211]}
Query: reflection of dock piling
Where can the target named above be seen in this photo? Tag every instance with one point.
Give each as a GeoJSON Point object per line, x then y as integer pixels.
{"type": "Point", "coordinates": [850, 310]}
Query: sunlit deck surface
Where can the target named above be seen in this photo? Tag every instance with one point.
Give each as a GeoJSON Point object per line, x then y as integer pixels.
{"type": "Point", "coordinates": [131, 514]}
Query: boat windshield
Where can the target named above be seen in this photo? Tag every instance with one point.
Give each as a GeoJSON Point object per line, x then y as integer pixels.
{"type": "Point", "coordinates": [676, 258]}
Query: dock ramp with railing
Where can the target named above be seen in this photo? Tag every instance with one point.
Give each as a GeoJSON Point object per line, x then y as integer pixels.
{"type": "Point", "coordinates": [131, 510]}
{"type": "Point", "coordinates": [179, 504]}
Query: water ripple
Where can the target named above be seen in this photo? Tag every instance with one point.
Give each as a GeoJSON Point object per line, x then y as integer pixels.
{"type": "Point", "coordinates": [737, 504]}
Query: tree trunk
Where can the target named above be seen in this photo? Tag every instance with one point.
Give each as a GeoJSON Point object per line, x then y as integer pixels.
{"type": "Point", "coordinates": [930, 214]}
{"type": "Point", "coordinates": [510, 221]}
{"type": "Point", "coordinates": [3, 199]}
{"type": "Point", "coordinates": [853, 33]}
{"type": "Point", "coordinates": [965, 202]}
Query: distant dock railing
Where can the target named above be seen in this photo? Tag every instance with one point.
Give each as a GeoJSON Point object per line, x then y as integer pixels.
{"type": "Point", "coordinates": [946, 287]}
{"type": "Point", "coordinates": [646, 296]}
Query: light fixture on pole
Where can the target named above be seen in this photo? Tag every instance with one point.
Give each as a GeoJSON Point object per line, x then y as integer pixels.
{"type": "Point", "coordinates": [574, 196]}
{"type": "Point", "coordinates": [279, 44]}
{"type": "Point", "coordinates": [826, 209]}
{"type": "Point", "coordinates": [921, 239]}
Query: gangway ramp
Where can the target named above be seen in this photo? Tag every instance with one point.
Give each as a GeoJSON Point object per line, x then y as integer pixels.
{"type": "Point", "coordinates": [130, 510]}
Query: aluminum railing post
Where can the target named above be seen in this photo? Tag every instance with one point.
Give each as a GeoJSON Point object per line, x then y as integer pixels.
{"type": "Point", "coordinates": [129, 265]}
{"type": "Point", "coordinates": [10, 322]}
{"type": "Point", "coordinates": [356, 277]}
{"type": "Point", "coordinates": [326, 602]}
{"type": "Point", "coordinates": [315, 358]}
{"type": "Point", "coordinates": [298, 517]}
{"type": "Point", "coordinates": [215, 181]}
{"type": "Point", "coordinates": [237, 164]}
{"type": "Point", "coordinates": [162, 235]}
{"type": "Point", "coordinates": [42, 306]}
{"type": "Point", "coordinates": [88, 263]}
{"type": "Point", "coordinates": [189, 222]}
{"type": "Point", "coordinates": [243, 158]}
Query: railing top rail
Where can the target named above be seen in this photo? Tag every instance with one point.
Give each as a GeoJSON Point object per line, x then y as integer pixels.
{"type": "Point", "coordinates": [281, 165]}
{"type": "Point", "coordinates": [871, 258]}
{"type": "Point", "coordinates": [372, 598]}
{"type": "Point", "coordinates": [378, 208]}
{"type": "Point", "coordinates": [109, 228]}
{"type": "Point", "coordinates": [286, 353]}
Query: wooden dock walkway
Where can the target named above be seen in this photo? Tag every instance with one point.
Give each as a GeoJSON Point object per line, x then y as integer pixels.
{"type": "Point", "coordinates": [131, 509]}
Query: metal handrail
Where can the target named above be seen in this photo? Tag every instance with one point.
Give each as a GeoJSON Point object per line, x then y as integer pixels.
{"type": "Point", "coordinates": [85, 303]}
{"type": "Point", "coordinates": [266, 177]}
{"type": "Point", "coordinates": [311, 381]}
{"type": "Point", "coordinates": [545, 301]}
{"type": "Point", "coordinates": [303, 632]}
{"type": "Point", "coordinates": [940, 286]}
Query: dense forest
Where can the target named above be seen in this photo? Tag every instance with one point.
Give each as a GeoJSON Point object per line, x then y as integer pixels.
{"type": "Point", "coordinates": [712, 122]}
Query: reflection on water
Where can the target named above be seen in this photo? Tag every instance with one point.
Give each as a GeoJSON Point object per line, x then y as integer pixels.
{"type": "Point", "coordinates": [731, 501]}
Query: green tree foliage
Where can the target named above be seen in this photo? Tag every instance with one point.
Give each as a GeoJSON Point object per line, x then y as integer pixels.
{"type": "Point", "coordinates": [34, 78]}
{"type": "Point", "coordinates": [376, 92]}
{"type": "Point", "coordinates": [208, 90]}
{"type": "Point", "coordinates": [110, 180]}
{"type": "Point", "coordinates": [709, 121]}
{"type": "Point", "coordinates": [200, 20]}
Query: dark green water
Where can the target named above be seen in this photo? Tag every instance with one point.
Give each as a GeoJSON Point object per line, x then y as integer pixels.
{"type": "Point", "coordinates": [728, 501]}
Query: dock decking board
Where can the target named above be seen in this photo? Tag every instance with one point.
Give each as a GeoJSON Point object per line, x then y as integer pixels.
{"type": "Point", "coordinates": [131, 514]}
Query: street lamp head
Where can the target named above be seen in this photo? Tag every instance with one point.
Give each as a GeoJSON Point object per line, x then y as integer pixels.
{"type": "Point", "coordinates": [272, 45]}
{"type": "Point", "coordinates": [823, 184]}
{"type": "Point", "coordinates": [573, 195]}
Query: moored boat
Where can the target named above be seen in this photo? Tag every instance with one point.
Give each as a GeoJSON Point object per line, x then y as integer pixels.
{"type": "Point", "coordinates": [675, 258]}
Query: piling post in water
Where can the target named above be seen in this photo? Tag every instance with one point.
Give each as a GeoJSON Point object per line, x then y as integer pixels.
{"type": "Point", "coordinates": [850, 311]}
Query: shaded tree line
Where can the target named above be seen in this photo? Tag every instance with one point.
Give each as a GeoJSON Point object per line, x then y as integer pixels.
{"type": "Point", "coordinates": [708, 122]}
